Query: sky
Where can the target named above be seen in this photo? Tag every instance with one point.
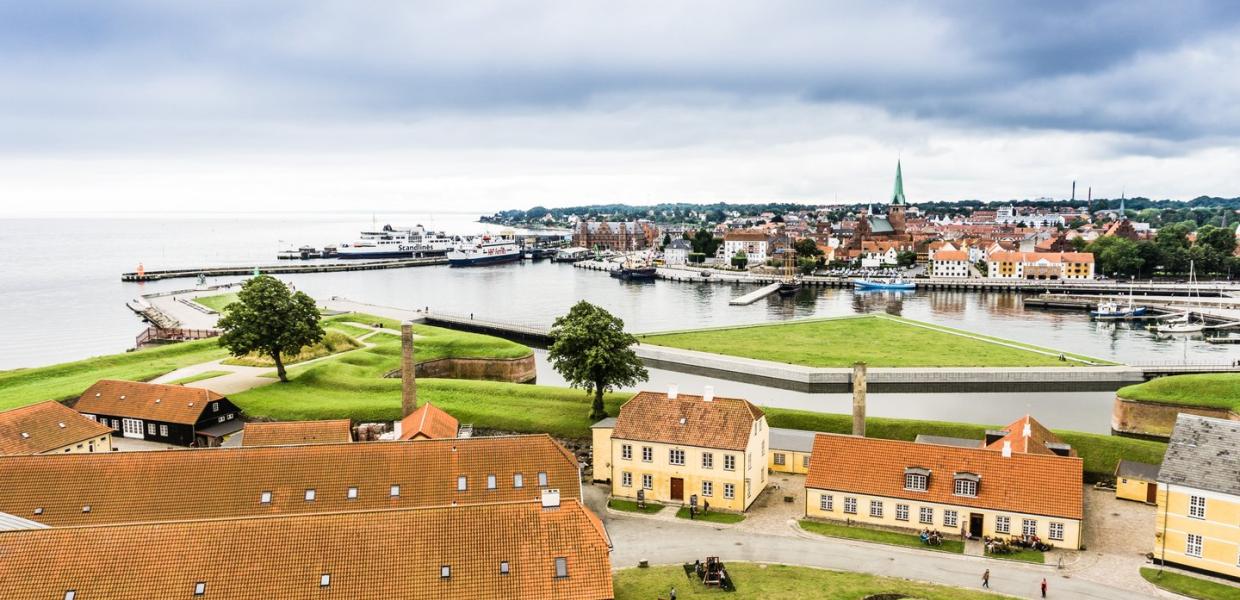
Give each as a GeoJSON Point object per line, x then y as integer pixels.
{"type": "Point", "coordinates": [403, 105]}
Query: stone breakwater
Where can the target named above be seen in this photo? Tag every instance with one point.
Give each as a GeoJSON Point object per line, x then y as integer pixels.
{"type": "Point", "coordinates": [1156, 419]}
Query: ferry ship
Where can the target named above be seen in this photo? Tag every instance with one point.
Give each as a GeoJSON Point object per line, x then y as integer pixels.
{"type": "Point", "coordinates": [396, 242]}
{"type": "Point", "coordinates": [485, 250]}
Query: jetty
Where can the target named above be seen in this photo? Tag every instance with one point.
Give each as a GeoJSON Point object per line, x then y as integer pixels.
{"type": "Point", "coordinates": [284, 269]}
{"type": "Point", "coordinates": [755, 295]}
{"type": "Point", "coordinates": [1223, 311]}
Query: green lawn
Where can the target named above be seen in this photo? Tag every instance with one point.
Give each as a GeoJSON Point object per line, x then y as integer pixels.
{"type": "Point", "coordinates": [876, 535]}
{"type": "Point", "coordinates": [199, 377]}
{"type": "Point", "coordinates": [218, 303]}
{"type": "Point", "coordinates": [631, 506]}
{"type": "Point", "coordinates": [713, 517]}
{"type": "Point", "coordinates": [1023, 555]}
{"type": "Point", "coordinates": [879, 341]}
{"type": "Point", "coordinates": [779, 582]}
{"type": "Point", "coordinates": [347, 329]}
{"type": "Point", "coordinates": [1193, 587]}
{"type": "Point", "coordinates": [20, 387]}
{"type": "Point", "coordinates": [334, 342]}
{"type": "Point", "coordinates": [1214, 390]}
{"type": "Point", "coordinates": [1100, 452]}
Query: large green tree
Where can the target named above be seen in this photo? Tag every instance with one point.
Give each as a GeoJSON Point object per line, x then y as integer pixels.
{"type": "Point", "coordinates": [592, 351]}
{"type": "Point", "coordinates": [271, 319]}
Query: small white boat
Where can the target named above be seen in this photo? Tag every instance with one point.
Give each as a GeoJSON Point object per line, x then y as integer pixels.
{"type": "Point", "coordinates": [1184, 323]}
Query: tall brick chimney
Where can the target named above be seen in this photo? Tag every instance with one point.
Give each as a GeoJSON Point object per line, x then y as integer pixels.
{"type": "Point", "coordinates": [858, 389]}
{"type": "Point", "coordinates": [408, 379]}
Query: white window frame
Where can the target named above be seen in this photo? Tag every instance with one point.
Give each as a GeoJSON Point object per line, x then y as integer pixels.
{"type": "Point", "coordinates": [826, 503]}
{"type": "Point", "coordinates": [729, 462]}
{"type": "Point", "coordinates": [163, 430]}
{"type": "Point", "coordinates": [1056, 531]}
{"type": "Point", "coordinates": [462, 483]}
{"type": "Point", "coordinates": [394, 491]}
{"type": "Point", "coordinates": [1003, 524]}
{"type": "Point", "coordinates": [876, 509]}
{"type": "Point", "coordinates": [491, 483]}
{"type": "Point", "coordinates": [951, 518]}
{"type": "Point", "coordinates": [925, 515]}
{"type": "Point", "coordinates": [1193, 545]}
{"type": "Point", "coordinates": [542, 479]}
{"type": "Point", "coordinates": [1197, 507]}
{"type": "Point", "coordinates": [647, 454]}
{"type": "Point", "coordinates": [729, 491]}
{"type": "Point", "coordinates": [901, 512]}
{"type": "Point", "coordinates": [647, 481]}
{"type": "Point", "coordinates": [708, 488]}
{"type": "Point", "coordinates": [965, 487]}
{"type": "Point", "coordinates": [676, 457]}
{"type": "Point", "coordinates": [915, 482]}
{"type": "Point", "coordinates": [518, 480]}
{"type": "Point", "coordinates": [708, 460]}
{"type": "Point", "coordinates": [626, 479]}
{"type": "Point", "coordinates": [779, 459]}
{"type": "Point", "coordinates": [850, 505]}
{"type": "Point", "coordinates": [626, 451]}
{"type": "Point", "coordinates": [1029, 526]}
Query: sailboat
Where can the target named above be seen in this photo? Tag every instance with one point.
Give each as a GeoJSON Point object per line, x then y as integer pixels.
{"type": "Point", "coordinates": [790, 284]}
{"type": "Point", "coordinates": [1114, 310]}
{"type": "Point", "coordinates": [1184, 323]}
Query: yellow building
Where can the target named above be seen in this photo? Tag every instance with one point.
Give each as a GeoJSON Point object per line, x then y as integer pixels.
{"type": "Point", "coordinates": [1198, 520]}
{"type": "Point", "coordinates": [1136, 481]}
{"type": "Point", "coordinates": [51, 428]}
{"type": "Point", "coordinates": [956, 490]}
{"type": "Point", "coordinates": [676, 448]}
{"type": "Point", "coordinates": [790, 450]}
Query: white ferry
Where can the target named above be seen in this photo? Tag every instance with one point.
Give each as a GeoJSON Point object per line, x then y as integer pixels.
{"type": "Point", "coordinates": [396, 242]}
{"type": "Point", "coordinates": [485, 250]}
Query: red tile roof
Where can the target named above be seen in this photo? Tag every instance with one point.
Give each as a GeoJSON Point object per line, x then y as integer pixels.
{"type": "Point", "coordinates": [366, 555]}
{"type": "Point", "coordinates": [1026, 483]}
{"type": "Point", "coordinates": [429, 422]}
{"type": "Point", "coordinates": [286, 433]}
{"type": "Point", "coordinates": [147, 401]}
{"type": "Point", "coordinates": [1035, 443]}
{"type": "Point", "coordinates": [1033, 257]}
{"type": "Point", "coordinates": [945, 255]}
{"type": "Point", "coordinates": [127, 487]}
{"type": "Point", "coordinates": [746, 235]}
{"type": "Point", "coordinates": [45, 426]}
{"type": "Point", "coordinates": [689, 420]}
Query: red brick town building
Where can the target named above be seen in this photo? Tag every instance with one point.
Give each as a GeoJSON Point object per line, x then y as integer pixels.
{"type": "Point", "coordinates": [620, 236]}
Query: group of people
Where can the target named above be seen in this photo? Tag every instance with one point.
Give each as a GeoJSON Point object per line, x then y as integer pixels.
{"type": "Point", "coordinates": [986, 582]}
{"type": "Point", "coordinates": [931, 537]}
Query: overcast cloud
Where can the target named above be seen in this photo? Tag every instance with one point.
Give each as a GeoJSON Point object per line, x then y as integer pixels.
{"type": "Point", "coordinates": [485, 105]}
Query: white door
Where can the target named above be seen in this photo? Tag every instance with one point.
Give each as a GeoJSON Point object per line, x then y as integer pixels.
{"type": "Point", "coordinates": [132, 428]}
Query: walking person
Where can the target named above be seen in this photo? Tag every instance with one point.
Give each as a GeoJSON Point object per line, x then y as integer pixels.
{"type": "Point", "coordinates": [986, 579]}
{"type": "Point", "coordinates": [1043, 587]}
{"type": "Point", "coordinates": [673, 596]}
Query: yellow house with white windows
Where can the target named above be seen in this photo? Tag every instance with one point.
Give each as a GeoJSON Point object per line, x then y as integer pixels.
{"type": "Point", "coordinates": [51, 428]}
{"type": "Point", "coordinates": [677, 448]}
{"type": "Point", "coordinates": [975, 491]}
{"type": "Point", "coordinates": [790, 450]}
{"type": "Point", "coordinates": [1198, 520]}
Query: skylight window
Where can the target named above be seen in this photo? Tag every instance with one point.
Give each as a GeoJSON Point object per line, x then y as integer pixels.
{"type": "Point", "coordinates": [38, 511]}
{"type": "Point", "coordinates": [86, 508]}
{"type": "Point", "coordinates": [25, 435]}
{"type": "Point", "coordinates": [71, 594]}
{"type": "Point", "coordinates": [310, 495]}
{"type": "Point", "coordinates": [352, 494]}
{"type": "Point", "coordinates": [503, 567]}
{"type": "Point", "coordinates": [265, 498]}
{"type": "Point", "coordinates": [325, 580]}
{"type": "Point", "coordinates": [542, 479]}
{"type": "Point", "coordinates": [200, 588]}
{"type": "Point", "coordinates": [518, 480]}
{"type": "Point", "coordinates": [491, 482]}
{"type": "Point", "coordinates": [395, 491]}
{"type": "Point", "coordinates": [561, 567]}
{"type": "Point", "coordinates": [445, 571]}
{"type": "Point", "coordinates": [462, 483]}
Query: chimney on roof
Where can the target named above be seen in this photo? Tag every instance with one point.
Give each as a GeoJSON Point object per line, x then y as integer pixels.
{"type": "Point", "coordinates": [672, 391]}
{"type": "Point", "coordinates": [708, 393]}
{"type": "Point", "coordinates": [550, 498]}
{"type": "Point", "coordinates": [858, 389]}
{"type": "Point", "coordinates": [408, 379]}
{"type": "Point", "coordinates": [1007, 448]}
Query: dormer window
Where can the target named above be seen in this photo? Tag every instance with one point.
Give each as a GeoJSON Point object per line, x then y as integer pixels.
{"type": "Point", "coordinates": [916, 479]}
{"type": "Point", "coordinates": [966, 484]}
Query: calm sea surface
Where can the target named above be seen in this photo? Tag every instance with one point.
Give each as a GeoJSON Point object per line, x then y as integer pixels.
{"type": "Point", "coordinates": [61, 298]}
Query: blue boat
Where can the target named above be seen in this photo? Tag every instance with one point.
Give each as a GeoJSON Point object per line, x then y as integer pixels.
{"type": "Point", "coordinates": [1113, 310]}
{"type": "Point", "coordinates": [890, 284]}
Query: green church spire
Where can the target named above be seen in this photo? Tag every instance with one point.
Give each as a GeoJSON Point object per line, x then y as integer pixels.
{"type": "Point", "coordinates": [897, 197]}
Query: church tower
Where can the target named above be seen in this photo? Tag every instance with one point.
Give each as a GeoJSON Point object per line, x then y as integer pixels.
{"type": "Point", "coordinates": [895, 212]}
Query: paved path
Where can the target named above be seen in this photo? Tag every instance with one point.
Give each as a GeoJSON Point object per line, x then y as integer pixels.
{"type": "Point", "coordinates": [674, 541]}
{"type": "Point", "coordinates": [337, 303]}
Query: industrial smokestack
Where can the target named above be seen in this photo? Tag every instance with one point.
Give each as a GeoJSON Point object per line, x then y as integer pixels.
{"type": "Point", "coordinates": [858, 387]}
{"type": "Point", "coordinates": [408, 380]}
{"type": "Point", "coordinates": [1074, 190]}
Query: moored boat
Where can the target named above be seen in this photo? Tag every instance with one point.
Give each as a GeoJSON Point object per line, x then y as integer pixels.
{"type": "Point", "coordinates": [396, 242]}
{"type": "Point", "coordinates": [485, 250]}
{"type": "Point", "coordinates": [879, 284]}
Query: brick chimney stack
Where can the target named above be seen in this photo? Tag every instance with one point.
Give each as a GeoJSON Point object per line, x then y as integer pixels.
{"type": "Point", "coordinates": [858, 389]}
{"type": "Point", "coordinates": [408, 379]}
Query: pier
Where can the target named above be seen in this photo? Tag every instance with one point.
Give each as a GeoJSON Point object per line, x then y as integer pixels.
{"type": "Point", "coordinates": [284, 269]}
{"type": "Point", "coordinates": [756, 295]}
{"type": "Point", "coordinates": [536, 335]}
{"type": "Point", "coordinates": [1220, 311]}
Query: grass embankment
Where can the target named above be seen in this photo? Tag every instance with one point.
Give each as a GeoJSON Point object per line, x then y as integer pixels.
{"type": "Point", "coordinates": [347, 329]}
{"type": "Point", "coordinates": [631, 506]}
{"type": "Point", "coordinates": [1099, 452]}
{"type": "Point", "coordinates": [1213, 390]}
{"type": "Point", "coordinates": [840, 530]}
{"type": "Point", "coordinates": [878, 341]}
{"type": "Point", "coordinates": [780, 582]}
{"type": "Point", "coordinates": [218, 303]}
{"type": "Point", "coordinates": [199, 377]}
{"type": "Point", "coordinates": [334, 342]}
{"type": "Point", "coordinates": [1187, 585]}
{"type": "Point", "coordinates": [714, 517]}
{"type": "Point", "coordinates": [20, 387]}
